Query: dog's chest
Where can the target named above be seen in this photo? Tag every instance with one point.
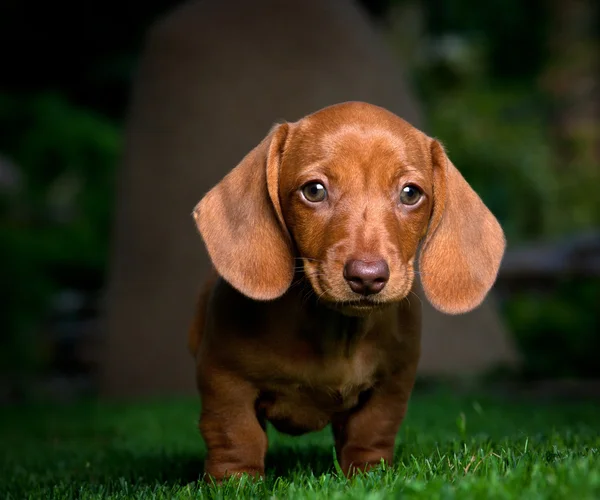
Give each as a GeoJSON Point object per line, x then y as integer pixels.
{"type": "Point", "coordinates": [304, 398]}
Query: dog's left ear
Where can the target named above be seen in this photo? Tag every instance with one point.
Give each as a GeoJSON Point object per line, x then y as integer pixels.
{"type": "Point", "coordinates": [464, 245]}
{"type": "Point", "coordinates": [242, 225]}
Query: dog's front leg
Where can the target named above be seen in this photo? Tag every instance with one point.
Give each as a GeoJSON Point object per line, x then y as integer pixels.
{"type": "Point", "coordinates": [365, 436]}
{"type": "Point", "coordinates": [235, 439]}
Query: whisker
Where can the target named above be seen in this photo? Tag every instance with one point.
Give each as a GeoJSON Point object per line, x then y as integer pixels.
{"type": "Point", "coordinates": [416, 296]}
{"type": "Point", "coordinates": [308, 293]}
{"type": "Point", "coordinates": [316, 275]}
{"type": "Point", "coordinates": [326, 290]}
{"type": "Point", "coordinates": [405, 298]}
{"type": "Point", "coordinates": [297, 282]}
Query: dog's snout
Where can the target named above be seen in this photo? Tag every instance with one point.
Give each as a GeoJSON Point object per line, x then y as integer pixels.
{"type": "Point", "coordinates": [366, 278]}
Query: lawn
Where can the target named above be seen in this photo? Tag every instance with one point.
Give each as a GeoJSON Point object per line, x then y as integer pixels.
{"type": "Point", "coordinates": [449, 447]}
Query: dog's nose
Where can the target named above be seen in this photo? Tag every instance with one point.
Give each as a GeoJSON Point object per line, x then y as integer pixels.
{"type": "Point", "coordinates": [366, 278]}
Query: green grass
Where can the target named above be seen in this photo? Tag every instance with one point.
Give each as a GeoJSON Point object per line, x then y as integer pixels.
{"type": "Point", "coordinates": [449, 447]}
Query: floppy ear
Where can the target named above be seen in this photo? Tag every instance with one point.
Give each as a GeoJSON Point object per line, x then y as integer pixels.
{"type": "Point", "coordinates": [242, 225]}
{"type": "Point", "coordinates": [464, 245]}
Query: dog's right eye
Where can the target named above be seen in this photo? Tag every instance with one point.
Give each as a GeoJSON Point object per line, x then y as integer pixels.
{"type": "Point", "coordinates": [410, 195]}
{"type": "Point", "coordinates": [314, 192]}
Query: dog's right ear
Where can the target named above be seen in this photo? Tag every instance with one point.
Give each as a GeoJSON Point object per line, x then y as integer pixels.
{"type": "Point", "coordinates": [464, 245]}
{"type": "Point", "coordinates": [242, 225]}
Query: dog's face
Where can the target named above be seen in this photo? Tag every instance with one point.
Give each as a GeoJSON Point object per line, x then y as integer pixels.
{"type": "Point", "coordinates": [354, 192]}
{"type": "Point", "coordinates": [356, 198]}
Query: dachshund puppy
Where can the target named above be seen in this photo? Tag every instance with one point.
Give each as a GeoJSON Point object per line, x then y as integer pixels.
{"type": "Point", "coordinates": [311, 316]}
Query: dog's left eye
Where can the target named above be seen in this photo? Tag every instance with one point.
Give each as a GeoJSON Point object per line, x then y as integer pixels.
{"type": "Point", "coordinates": [314, 192]}
{"type": "Point", "coordinates": [410, 195]}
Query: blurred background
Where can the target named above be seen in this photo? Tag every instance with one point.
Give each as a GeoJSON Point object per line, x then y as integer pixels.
{"type": "Point", "coordinates": [510, 87]}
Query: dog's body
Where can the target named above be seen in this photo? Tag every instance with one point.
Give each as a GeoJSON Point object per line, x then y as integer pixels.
{"type": "Point", "coordinates": [311, 318]}
{"type": "Point", "coordinates": [300, 365]}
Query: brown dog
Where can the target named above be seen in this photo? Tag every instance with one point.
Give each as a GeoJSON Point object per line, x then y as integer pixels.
{"type": "Point", "coordinates": [312, 319]}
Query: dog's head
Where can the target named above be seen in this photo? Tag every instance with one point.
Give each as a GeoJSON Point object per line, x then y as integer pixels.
{"type": "Point", "coordinates": [353, 193]}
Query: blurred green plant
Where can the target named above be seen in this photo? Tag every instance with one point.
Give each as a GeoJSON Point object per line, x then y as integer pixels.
{"type": "Point", "coordinates": [55, 220]}
{"type": "Point", "coordinates": [557, 332]}
{"type": "Point", "coordinates": [498, 141]}
{"type": "Point", "coordinates": [498, 135]}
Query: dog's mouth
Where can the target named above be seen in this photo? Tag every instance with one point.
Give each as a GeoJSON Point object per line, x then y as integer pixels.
{"type": "Point", "coordinates": [364, 302]}
{"type": "Point", "coordinates": [359, 307]}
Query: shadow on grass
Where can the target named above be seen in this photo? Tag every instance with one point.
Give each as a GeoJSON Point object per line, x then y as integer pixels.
{"type": "Point", "coordinates": [285, 460]}
{"type": "Point", "coordinates": [116, 468]}
{"type": "Point", "coordinates": [173, 469]}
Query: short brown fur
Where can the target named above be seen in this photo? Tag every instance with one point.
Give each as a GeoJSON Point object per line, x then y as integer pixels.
{"type": "Point", "coordinates": [279, 335]}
